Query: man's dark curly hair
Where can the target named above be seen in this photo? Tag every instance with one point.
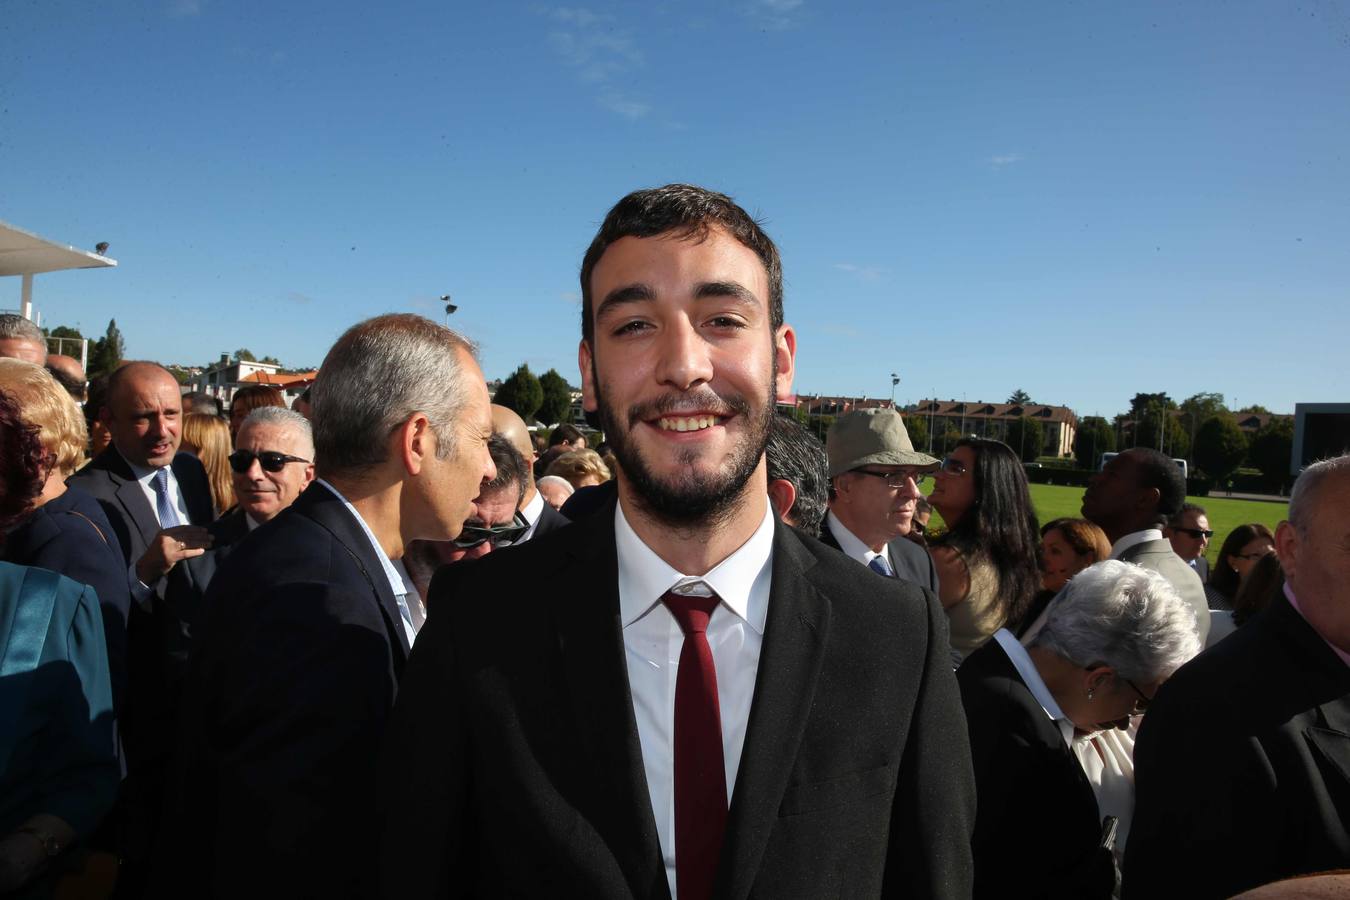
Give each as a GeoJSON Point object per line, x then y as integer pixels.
{"type": "Point", "coordinates": [25, 461]}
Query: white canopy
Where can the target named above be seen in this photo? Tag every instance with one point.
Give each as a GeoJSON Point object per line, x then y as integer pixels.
{"type": "Point", "coordinates": [24, 253]}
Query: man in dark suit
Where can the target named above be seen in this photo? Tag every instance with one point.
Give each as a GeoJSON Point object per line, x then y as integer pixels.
{"type": "Point", "coordinates": [875, 474]}
{"type": "Point", "coordinates": [799, 482]}
{"type": "Point", "coordinates": [1130, 499]}
{"type": "Point", "coordinates": [307, 628]}
{"type": "Point", "coordinates": [808, 742]}
{"type": "Point", "coordinates": [540, 516]}
{"type": "Point", "coordinates": [1189, 533]}
{"type": "Point", "coordinates": [1269, 709]}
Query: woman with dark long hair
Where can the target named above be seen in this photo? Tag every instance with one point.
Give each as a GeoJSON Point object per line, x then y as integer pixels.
{"type": "Point", "coordinates": [987, 559]}
{"type": "Point", "coordinates": [1244, 547]}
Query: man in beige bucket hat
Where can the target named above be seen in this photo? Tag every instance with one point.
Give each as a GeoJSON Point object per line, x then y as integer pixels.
{"type": "Point", "coordinates": [875, 474]}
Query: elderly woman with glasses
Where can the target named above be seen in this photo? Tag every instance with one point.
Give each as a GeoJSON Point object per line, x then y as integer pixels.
{"type": "Point", "coordinates": [1053, 762]}
{"type": "Point", "coordinates": [987, 560]}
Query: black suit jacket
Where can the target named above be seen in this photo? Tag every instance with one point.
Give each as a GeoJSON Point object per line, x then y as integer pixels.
{"type": "Point", "coordinates": [110, 480]}
{"type": "Point", "coordinates": [294, 669]}
{"type": "Point", "coordinates": [549, 520]}
{"type": "Point", "coordinates": [1268, 794]}
{"type": "Point", "coordinates": [910, 561]}
{"type": "Point", "coordinates": [71, 536]}
{"type": "Point", "coordinates": [854, 780]}
{"type": "Point", "coordinates": [1038, 830]}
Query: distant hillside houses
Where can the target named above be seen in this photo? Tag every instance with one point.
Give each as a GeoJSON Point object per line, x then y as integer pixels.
{"type": "Point", "coordinates": [990, 420]}
{"type": "Point", "coordinates": [224, 379]}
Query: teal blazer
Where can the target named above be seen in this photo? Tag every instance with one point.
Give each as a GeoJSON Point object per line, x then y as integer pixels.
{"type": "Point", "coordinates": [57, 753]}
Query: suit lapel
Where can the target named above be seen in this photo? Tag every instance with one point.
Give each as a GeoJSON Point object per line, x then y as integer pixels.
{"type": "Point", "coordinates": [191, 486]}
{"type": "Point", "coordinates": [327, 509]}
{"type": "Point", "coordinates": [789, 665]}
{"type": "Point", "coordinates": [590, 640]}
{"type": "Point", "coordinates": [131, 495]}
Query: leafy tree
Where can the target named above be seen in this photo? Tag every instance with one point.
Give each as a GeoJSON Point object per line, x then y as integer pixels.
{"type": "Point", "coordinates": [1020, 397]}
{"type": "Point", "coordinates": [64, 331]}
{"type": "Point", "coordinates": [243, 354]}
{"type": "Point", "coordinates": [801, 414]}
{"type": "Point", "coordinates": [1271, 449]}
{"type": "Point", "coordinates": [1255, 408]}
{"type": "Point", "coordinates": [522, 393]}
{"type": "Point", "coordinates": [1151, 423]}
{"type": "Point", "coordinates": [917, 426]}
{"type": "Point", "coordinates": [1094, 437]}
{"type": "Point", "coordinates": [270, 360]}
{"type": "Point", "coordinates": [1025, 437]}
{"type": "Point", "coordinates": [557, 400]}
{"type": "Point", "coordinates": [108, 351]}
{"type": "Point", "coordinates": [1203, 406]}
{"type": "Point", "coordinates": [1220, 447]}
{"type": "Point", "coordinates": [947, 440]}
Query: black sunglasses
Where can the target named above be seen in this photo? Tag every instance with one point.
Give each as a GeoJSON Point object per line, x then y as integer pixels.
{"type": "Point", "coordinates": [1196, 533]}
{"type": "Point", "coordinates": [499, 535]}
{"type": "Point", "coordinates": [271, 461]}
{"type": "Point", "coordinates": [896, 480]}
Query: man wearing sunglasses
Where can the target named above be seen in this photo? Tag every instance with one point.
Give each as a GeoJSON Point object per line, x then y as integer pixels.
{"type": "Point", "coordinates": [1189, 533]}
{"type": "Point", "coordinates": [875, 474]}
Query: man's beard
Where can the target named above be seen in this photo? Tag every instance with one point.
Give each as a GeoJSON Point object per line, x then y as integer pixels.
{"type": "Point", "coordinates": [688, 499]}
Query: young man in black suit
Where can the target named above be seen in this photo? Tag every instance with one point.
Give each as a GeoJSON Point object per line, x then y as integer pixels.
{"type": "Point", "coordinates": [1243, 761]}
{"type": "Point", "coordinates": [306, 626]}
{"type": "Point", "coordinates": [679, 695]}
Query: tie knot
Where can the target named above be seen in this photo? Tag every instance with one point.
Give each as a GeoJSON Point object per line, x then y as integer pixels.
{"type": "Point", "coordinates": [880, 566]}
{"type": "Point", "coordinates": [690, 611]}
{"type": "Point", "coordinates": [162, 479]}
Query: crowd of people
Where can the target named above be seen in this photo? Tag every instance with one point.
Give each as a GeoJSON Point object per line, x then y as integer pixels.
{"type": "Point", "coordinates": [392, 643]}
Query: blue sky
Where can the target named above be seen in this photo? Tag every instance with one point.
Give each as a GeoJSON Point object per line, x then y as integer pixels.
{"type": "Point", "coordinates": [1081, 200]}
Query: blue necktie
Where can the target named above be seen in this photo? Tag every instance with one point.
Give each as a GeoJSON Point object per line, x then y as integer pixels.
{"type": "Point", "coordinates": [164, 508]}
{"type": "Point", "coordinates": [881, 567]}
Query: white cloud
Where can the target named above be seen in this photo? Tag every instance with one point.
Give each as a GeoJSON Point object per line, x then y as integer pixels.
{"type": "Point", "coordinates": [1006, 159]}
{"type": "Point", "coordinates": [600, 51]}
{"type": "Point", "coordinates": [865, 273]}
{"type": "Point", "coordinates": [181, 9]}
{"type": "Point", "coordinates": [775, 13]}
{"type": "Point", "coordinates": [623, 105]}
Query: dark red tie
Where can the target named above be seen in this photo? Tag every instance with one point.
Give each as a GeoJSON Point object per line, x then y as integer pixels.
{"type": "Point", "coordinates": [700, 777]}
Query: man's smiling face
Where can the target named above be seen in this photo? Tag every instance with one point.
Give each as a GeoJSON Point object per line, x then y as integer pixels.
{"type": "Point", "coordinates": [685, 368]}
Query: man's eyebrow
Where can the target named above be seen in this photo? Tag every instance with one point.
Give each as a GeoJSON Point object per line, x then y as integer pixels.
{"type": "Point", "coordinates": [732, 289]}
{"type": "Point", "coordinates": [630, 293]}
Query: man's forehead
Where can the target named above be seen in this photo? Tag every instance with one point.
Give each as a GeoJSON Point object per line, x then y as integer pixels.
{"type": "Point", "coordinates": [267, 437]}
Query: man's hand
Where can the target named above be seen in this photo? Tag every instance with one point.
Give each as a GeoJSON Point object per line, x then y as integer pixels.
{"type": "Point", "coordinates": [168, 547]}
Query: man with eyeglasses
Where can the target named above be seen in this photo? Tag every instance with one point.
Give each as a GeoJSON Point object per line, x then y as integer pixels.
{"type": "Point", "coordinates": [875, 474]}
{"type": "Point", "coordinates": [1189, 533]}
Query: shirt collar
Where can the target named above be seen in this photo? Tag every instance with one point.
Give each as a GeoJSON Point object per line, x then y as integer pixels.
{"type": "Point", "coordinates": [395, 579]}
{"type": "Point", "coordinates": [1021, 661]}
{"type": "Point", "coordinates": [1293, 601]}
{"type": "Point", "coordinates": [141, 472]}
{"type": "Point", "coordinates": [1137, 537]}
{"type": "Point", "coordinates": [532, 512]}
{"type": "Point", "coordinates": [850, 544]}
{"type": "Point", "coordinates": [741, 580]}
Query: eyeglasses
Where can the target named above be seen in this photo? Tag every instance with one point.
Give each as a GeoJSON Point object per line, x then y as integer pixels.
{"type": "Point", "coordinates": [896, 480]}
{"type": "Point", "coordinates": [498, 535]}
{"type": "Point", "coordinates": [1140, 705]}
{"type": "Point", "coordinates": [271, 461]}
{"type": "Point", "coordinates": [1196, 533]}
{"type": "Point", "coordinates": [953, 466]}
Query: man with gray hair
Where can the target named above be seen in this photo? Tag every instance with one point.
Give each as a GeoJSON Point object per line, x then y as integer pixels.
{"type": "Point", "coordinates": [21, 339]}
{"type": "Point", "coordinates": [307, 630]}
{"type": "Point", "coordinates": [1243, 762]}
{"type": "Point", "coordinates": [799, 485]}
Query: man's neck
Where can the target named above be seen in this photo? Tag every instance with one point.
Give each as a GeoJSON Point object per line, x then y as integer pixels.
{"type": "Point", "coordinates": [873, 540]}
{"type": "Point", "coordinates": [378, 500]}
{"type": "Point", "coordinates": [697, 549]}
{"type": "Point", "coordinates": [1115, 532]}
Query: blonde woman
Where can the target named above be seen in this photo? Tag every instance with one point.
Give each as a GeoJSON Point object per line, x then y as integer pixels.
{"type": "Point", "coordinates": [581, 468]}
{"type": "Point", "coordinates": [208, 438]}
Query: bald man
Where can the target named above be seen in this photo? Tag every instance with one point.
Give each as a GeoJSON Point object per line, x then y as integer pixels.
{"type": "Point", "coordinates": [68, 373]}
{"type": "Point", "coordinates": [542, 517]}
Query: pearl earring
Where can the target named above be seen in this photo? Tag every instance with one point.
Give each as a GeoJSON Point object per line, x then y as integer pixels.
{"type": "Point", "coordinates": [1089, 693]}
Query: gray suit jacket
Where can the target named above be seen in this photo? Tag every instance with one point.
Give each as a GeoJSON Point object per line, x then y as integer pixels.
{"type": "Point", "coordinates": [1161, 558]}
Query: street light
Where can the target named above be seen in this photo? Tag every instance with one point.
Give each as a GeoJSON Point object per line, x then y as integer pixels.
{"type": "Point", "coordinates": [895, 379]}
{"type": "Point", "coordinates": [449, 308]}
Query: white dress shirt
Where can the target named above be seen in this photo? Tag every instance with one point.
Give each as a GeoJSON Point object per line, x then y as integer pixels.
{"type": "Point", "coordinates": [532, 512]}
{"type": "Point", "coordinates": [141, 592]}
{"type": "Point", "coordinates": [396, 585]}
{"type": "Point", "coordinates": [852, 546]}
{"type": "Point", "coordinates": [1133, 538]}
{"type": "Point", "coordinates": [653, 640]}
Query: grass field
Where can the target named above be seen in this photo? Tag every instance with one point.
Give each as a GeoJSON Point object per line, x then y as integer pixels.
{"type": "Point", "coordinates": [1055, 501]}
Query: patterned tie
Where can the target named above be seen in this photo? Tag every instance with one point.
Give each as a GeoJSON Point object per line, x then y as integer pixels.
{"type": "Point", "coordinates": [164, 508]}
{"type": "Point", "coordinates": [700, 776]}
{"type": "Point", "coordinates": [881, 567]}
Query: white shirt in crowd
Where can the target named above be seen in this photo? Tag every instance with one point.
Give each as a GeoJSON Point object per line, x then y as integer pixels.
{"type": "Point", "coordinates": [852, 546]}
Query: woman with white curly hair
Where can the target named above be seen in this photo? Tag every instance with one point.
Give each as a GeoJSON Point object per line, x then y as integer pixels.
{"type": "Point", "coordinates": [1050, 730]}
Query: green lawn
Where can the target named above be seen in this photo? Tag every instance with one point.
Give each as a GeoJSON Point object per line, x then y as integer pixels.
{"type": "Point", "coordinates": [1055, 501]}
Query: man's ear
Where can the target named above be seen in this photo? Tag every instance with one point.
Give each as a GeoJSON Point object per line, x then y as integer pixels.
{"type": "Point", "coordinates": [782, 494]}
{"type": "Point", "coordinates": [414, 443]}
{"type": "Point", "coordinates": [586, 362]}
{"type": "Point", "coordinates": [309, 476]}
{"type": "Point", "coordinates": [1149, 498]}
{"type": "Point", "coordinates": [785, 353]}
{"type": "Point", "coordinates": [1286, 548]}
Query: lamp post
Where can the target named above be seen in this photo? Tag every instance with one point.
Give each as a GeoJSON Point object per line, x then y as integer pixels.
{"type": "Point", "coordinates": [895, 379]}
{"type": "Point", "coordinates": [449, 308]}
